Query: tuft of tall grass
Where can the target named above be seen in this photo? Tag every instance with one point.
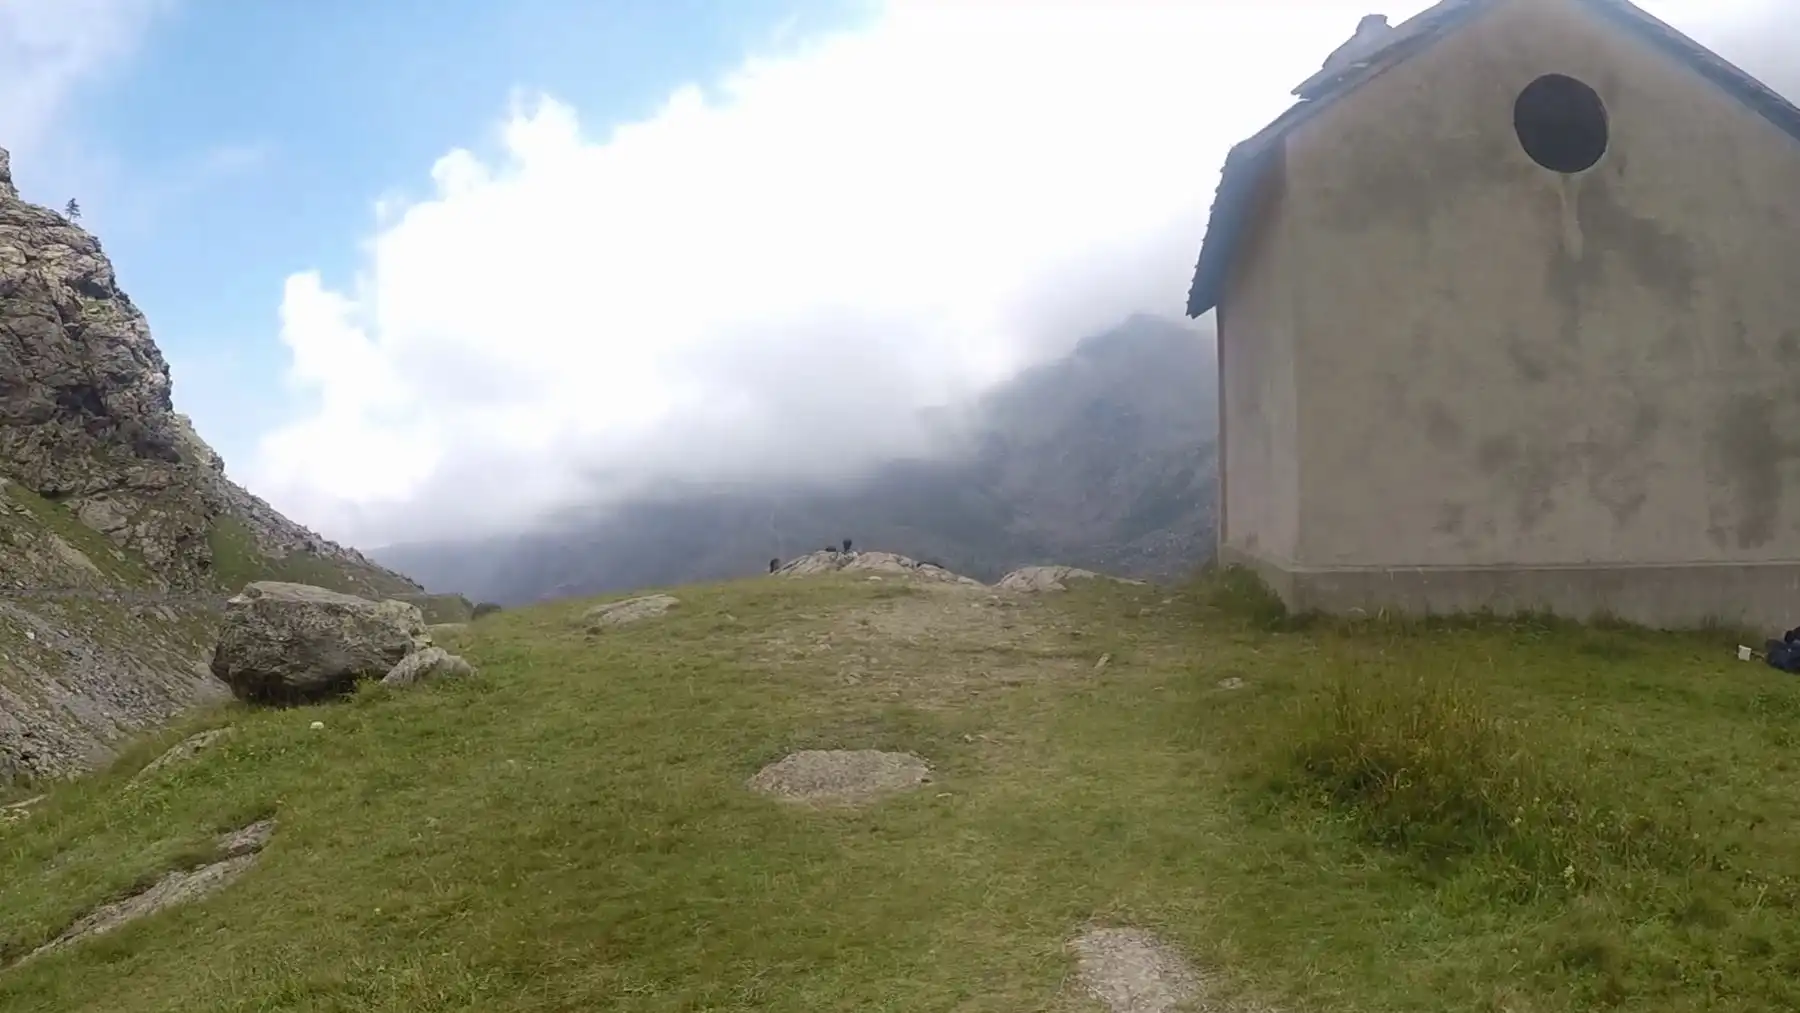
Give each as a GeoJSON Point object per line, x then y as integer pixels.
{"type": "Point", "coordinates": [1425, 766]}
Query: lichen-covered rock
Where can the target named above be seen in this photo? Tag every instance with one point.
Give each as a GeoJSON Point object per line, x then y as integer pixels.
{"type": "Point", "coordinates": [293, 643]}
{"type": "Point", "coordinates": [432, 664]}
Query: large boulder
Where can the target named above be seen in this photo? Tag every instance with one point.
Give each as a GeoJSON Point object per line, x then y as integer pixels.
{"type": "Point", "coordinates": [295, 643]}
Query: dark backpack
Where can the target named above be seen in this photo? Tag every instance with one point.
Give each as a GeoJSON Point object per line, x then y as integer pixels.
{"type": "Point", "coordinates": [1784, 654]}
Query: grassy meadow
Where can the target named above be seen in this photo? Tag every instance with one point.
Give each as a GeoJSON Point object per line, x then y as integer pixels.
{"type": "Point", "coordinates": [1522, 815]}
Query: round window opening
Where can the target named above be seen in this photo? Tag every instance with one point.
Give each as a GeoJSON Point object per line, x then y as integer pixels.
{"type": "Point", "coordinates": [1561, 123]}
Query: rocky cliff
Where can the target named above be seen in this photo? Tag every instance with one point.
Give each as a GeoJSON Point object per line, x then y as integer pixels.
{"type": "Point", "coordinates": [119, 531]}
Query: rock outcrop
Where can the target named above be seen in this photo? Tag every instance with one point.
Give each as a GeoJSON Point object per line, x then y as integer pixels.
{"type": "Point", "coordinates": [875, 563]}
{"type": "Point", "coordinates": [119, 533]}
{"type": "Point", "coordinates": [293, 643]}
{"type": "Point", "coordinates": [86, 414]}
{"type": "Point", "coordinates": [235, 853]}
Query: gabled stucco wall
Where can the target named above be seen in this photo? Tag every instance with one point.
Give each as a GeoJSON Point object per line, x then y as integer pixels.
{"type": "Point", "coordinates": [1259, 515]}
{"type": "Point", "coordinates": [1496, 365]}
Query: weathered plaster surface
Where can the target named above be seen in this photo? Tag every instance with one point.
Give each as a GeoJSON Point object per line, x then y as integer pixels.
{"type": "Point", "coordinates": [1481, 363]}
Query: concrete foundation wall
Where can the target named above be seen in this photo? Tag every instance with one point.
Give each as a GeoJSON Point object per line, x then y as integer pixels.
{"type": "Point", "coordinates": [1518, 388]}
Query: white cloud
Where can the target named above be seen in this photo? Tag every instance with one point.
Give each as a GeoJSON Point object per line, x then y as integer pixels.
{"type": "Point", "coordinates": [49, 47]}
{"type": "Point", "coordinates": [768, 276]}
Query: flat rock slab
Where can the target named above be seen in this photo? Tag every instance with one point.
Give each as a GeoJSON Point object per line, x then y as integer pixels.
{"type": "Point", "coordinates": [840, 776]}
{"type": "Point", "coordinates": [873, 563]}
{"type": "Point", "coordinates": [237, 852]}
{"type": "Point", "coordinates": [631, 610]}
{"type": "Point", "coordinates": [1132, 972]}
{"type": "Point", "coordinates": [1039, 579]}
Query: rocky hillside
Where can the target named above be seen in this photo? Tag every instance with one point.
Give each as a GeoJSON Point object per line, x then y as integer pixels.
{"type": "Point", "coordinates": [119, 532]}
{"type": "Point", "coordinates": [1102, 459]}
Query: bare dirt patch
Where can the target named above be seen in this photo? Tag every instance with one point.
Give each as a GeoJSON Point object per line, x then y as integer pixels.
{"type": "Point", "coordinates": [840, 776]}
{"type": "Point", "coordinates": [1132, 972]}
{"type": "Point", "coordinates": [237, 852]}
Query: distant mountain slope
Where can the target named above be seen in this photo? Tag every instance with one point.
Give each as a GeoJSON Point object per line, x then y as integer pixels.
{"type": "Point", "coordinates": [1104, 458]}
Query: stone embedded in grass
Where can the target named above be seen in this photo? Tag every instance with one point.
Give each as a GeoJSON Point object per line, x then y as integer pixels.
{"type": "Point", "coordinates": [433, 664]}
{"type": "Point", "coordinates": [631, 610]}
{"type": "Point", "coordinates": [1231, 682]}
{"type": "Point", "coordinates": [1038, 579]}
{"type": "Point", "coordinates": [1132, 972]}
{"type": "Point", "coordinates": [12, 812]}
{"type": "Point", "coordinates": [246, 840]}
{"type": "Point", "coordinates": [237, 852]}
{"type": "Point", "coordinates": [841, 776]}
{"type": "Point", "coordinates": [182, 752]}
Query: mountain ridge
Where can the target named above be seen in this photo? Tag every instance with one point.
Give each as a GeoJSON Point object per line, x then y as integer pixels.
{"type": "Point", "coordinates": [1102, 458]}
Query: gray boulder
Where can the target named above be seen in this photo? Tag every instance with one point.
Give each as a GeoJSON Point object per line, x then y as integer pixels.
{"type": "Point", "coordinates": [295, 643]}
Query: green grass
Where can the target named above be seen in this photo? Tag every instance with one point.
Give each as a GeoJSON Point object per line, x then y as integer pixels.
{"type": "Point", "coordinates": [1471, 815]}
{"type": "Point", "coordinates": [120, 566]}
{"type": "Point", "coordinates": [237, 561]}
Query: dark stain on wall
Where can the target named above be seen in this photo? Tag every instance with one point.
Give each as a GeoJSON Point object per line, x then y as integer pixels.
{"type": "Point", "coordinates": [1746, 455]}
{"type": "Point", "coordinates": [1661, 260]}
{"type": "Point", "coordinates": [1539, 472]}
{"type": "Point", "coordinates": [1451, 517]}
{"type": "Point", "coordinates": [1496, 454]}
{"type": "Point", "coordinates": [1616, 467]}
{"type": "Point", "coordinates": [1442, 428]}
{"type": "Point", "coordinates": [1527, 362]}
{"type": "Point", "coordinates": [1787, 347]}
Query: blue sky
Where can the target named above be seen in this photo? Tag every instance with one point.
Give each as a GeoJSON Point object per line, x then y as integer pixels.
{"type": "Point", "coordinates": [428, 267]}
{"type": "Point", "coordinates": [244, 141]}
